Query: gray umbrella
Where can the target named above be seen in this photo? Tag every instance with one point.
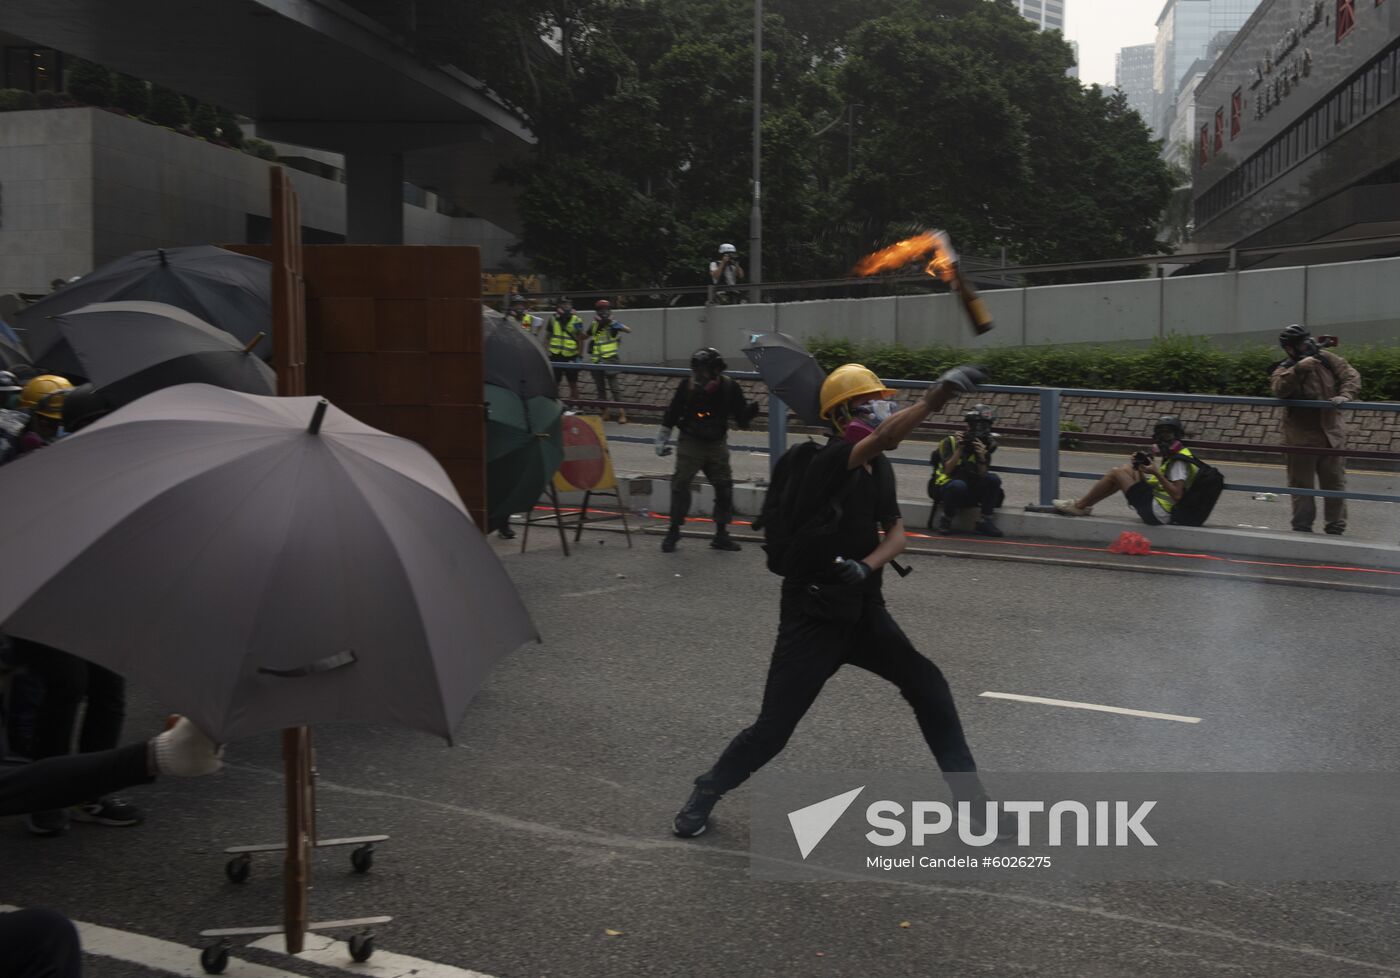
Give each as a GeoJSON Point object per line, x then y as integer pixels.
{"type": "Point", "coordinates": [790, 372]}
{"type": "Point", "coordinates": [259, 563]}
{"type": "Point", "coordinates": [128, 349]}
{"type": "Point", "coordinates": [229, 290]}
{"type": "Point", "coordinates": [514, 359]}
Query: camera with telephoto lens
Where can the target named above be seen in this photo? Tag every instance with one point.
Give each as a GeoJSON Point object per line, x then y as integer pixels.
{"type": "Point", "coordinates": [1141, 460]}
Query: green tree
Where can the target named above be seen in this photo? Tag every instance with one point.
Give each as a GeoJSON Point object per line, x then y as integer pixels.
{"type": "Point", "coordinates": [129, 94]}
{"type": "Point", "coordinates": [90, 83]}
{"type": "Point", "coordinates": [205, 121]}
{"type": "Point", "coordinates": [168, 108]}
{"type": "Point", "coordinates": [229, 129]}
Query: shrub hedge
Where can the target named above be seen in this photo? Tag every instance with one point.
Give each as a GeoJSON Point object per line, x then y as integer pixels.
{"type": "Point", "coordinates": [1177, 364]}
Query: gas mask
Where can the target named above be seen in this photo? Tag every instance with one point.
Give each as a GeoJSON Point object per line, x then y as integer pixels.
{"type": "Point", "coordinates": [1166, 441]}
{"type": "Point", "coordinates": [865, 418]}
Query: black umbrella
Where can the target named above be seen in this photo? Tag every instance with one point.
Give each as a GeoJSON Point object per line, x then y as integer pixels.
{"type": "Point", "coordinates": [129, 349]}
{"type": "Point", "coordinates": [12, 352]}
{"type": "Point", "coordinates": [790, 372]}
{"type": "Point", "coordinates": [229, 290]}
{"type": "Point", "coordinates": [514, 359]}
{"type": "Point", "coordinates": [524, 446]}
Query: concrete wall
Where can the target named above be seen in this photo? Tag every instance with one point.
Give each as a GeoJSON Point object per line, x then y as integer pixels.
{"type": "Point", "coordinates": [81, 187]}
{"type": "Point", "coordinates": [1358, 300]}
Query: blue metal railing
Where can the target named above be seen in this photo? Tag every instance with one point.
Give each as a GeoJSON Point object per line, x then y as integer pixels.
{"type": "Point", "coordinates": [1050, 433]}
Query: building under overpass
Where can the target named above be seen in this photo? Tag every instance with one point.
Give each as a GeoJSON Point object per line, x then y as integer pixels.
{"type": "Point", "coordinates": [312, 73]}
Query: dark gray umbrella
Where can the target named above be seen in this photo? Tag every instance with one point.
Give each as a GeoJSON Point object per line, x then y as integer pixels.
{"type": "Point", "coordinates": [514, 359]}
{"type": "Point", "coordinates": [259, 563]}
{"type": "Point", "coordinates": [790, 372]}
{"type": "Point", "coordinates": [128, 349]}
{"type": "Point", "coordinates": [223, 288]}
{"type": "Point", "coordinates": [524, 446]}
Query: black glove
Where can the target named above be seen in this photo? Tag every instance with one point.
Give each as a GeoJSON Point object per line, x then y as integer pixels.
{"type": "Point", "coordinates": [964, 378]}
{"type": "Point", "coordinates": [851, 571]}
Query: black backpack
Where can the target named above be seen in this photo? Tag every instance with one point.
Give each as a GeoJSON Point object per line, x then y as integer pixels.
{"type": "Point", "coordinates": [784, 524]}
{"type": "Point", "coordinates": [1194, 506]}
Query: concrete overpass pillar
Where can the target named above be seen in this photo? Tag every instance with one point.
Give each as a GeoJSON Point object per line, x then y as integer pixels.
{"type": "Point", "coordinates": [374, 197]}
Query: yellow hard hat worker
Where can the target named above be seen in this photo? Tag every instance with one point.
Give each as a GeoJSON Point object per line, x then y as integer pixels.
{"type": "Point", "coordinates": [848, 381]}
{"type": "Point", "coordinates": [44, 395]}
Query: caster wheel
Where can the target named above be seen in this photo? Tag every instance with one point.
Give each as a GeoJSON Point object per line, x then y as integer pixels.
{"type": "Point", "coordinates": [237, 869]}
{"type": "Point", "coordinates": [362, 859]}
{"type": "Point", "coordinates": [214, 959]}
{"type": "Point", "coordinates": [362, 946]}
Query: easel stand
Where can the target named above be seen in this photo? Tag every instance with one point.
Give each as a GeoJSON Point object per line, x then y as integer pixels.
{"type": "Point", "coordinates": [557, 519]}
{"type": "Point", "coordinates": [621, 513]}
{"type": "Point", "coordinates": [300, 771]}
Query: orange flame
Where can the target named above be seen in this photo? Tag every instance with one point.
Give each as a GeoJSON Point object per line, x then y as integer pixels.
{"type": "Point", "coordinates": [903, 252]}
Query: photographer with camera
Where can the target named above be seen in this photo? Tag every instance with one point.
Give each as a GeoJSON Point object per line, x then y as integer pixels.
{"type": "Point", "coordinates": [725, 273]}
{"type": "Point", "coordinates": [962, 478]}
{"type": "Point", "coordinates": [1149, 491]}
{"type": "Point", "coordinates": [1311, 373]}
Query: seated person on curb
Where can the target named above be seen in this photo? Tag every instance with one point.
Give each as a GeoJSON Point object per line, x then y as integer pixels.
{"type": "Point", "coordinates": [1149, 491]}
{"type": "Point", "coordinates": [963, 479]}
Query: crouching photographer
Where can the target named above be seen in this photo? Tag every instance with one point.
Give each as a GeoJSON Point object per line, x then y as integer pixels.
{"type": "Point", "coordinates": [962, 478]}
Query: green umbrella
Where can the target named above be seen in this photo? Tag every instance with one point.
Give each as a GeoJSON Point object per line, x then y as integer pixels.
{"type": "Point", "coordinates": [524, 447]}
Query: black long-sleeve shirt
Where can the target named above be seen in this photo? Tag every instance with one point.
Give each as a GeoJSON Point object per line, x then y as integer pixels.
{"type": "Point", "coordinates": [705, 414]}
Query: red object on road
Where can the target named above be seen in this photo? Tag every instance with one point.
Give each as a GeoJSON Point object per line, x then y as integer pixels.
{"type": "Point", "coordinates": [1129, 542]}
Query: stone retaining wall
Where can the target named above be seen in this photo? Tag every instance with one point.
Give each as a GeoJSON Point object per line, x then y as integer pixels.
{"type": "Point", "coordinates": [1247, 424]}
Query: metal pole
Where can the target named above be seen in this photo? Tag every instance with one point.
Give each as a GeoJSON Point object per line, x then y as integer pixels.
{"type": "Point", "coordinates": [756, 213]}
{"type": "Point", "coordinates": [1049, 445]}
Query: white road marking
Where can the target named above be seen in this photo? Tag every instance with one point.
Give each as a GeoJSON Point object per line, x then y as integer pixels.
{"type": "Point", "coordinates": [1092, 706]}
{"type": "Point", "coordinates": [324, 950]}
{"type": "Point", "coordinates": [177, 959]}
{"type": "Point", "coordinates": [161, 955]}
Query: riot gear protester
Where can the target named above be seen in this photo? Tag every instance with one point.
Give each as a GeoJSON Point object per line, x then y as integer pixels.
{"type": "Point", "coordinates": [702, 407]}
{"type": "Point", "coordinates": [823, 520]}
{"type": "Point", "coordinates": [603, 345]}
{"type": "Point", "coordinates": [1181, 491]}
{"type": "Point", "coordinates": [1310, 373]}
{"type": "Point", "coordinates": [962, 478]}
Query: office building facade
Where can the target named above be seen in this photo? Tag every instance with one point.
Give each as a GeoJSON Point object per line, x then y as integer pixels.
{"type": "Point", "coordinates": [1185, 29]}
{"type": "Point", "coordinates": [1132, 75]}
{"type": "Point", "coordinates": [1298, 127]}
{"type": "Point", "coordinates": [1048, 15]}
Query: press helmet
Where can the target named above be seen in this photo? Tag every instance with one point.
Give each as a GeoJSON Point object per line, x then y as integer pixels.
{"type": "Point", "coordinates": [979, 419]}
{"type": "Point", "coordinates": [727, 249]}
{"type": "Point", "coordinates": [707, 360]}
{"type": "Point", "coordinates": [848, 381]}
{"type": "Point", "coordinates": [44, 395]}
{"type": "Point", "coordinates": [1293, 335]}
{"type": "Point", "coordinates": [602, 305]}
{"type": "Point", "coordinates": [1170, 422]}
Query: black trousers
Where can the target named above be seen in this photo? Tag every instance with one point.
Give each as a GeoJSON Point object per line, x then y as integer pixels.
{"type": "Point", "coordinates": [57, 782]}
{"type": "Point", "coordinates": [39, 944]}
{"type": "Point", "coordinates": [807, 653]}
{"type": "Point", "coordinates": [68, 680]}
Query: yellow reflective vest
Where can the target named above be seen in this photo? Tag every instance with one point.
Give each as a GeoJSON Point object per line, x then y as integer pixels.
{"type": "Point", "coordinates": [563, 337]}
{"type": "Point", "coordinates": [605, 342]}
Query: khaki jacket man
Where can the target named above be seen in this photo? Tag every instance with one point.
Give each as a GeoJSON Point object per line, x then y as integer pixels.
{"type": "Point", "coordinates": [1312, 374]}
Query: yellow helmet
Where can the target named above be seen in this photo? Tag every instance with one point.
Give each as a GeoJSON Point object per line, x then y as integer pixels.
{"type": "Point", "coordinates": [848, 381]}
{"type": "Point", "coordinates": [44, 395]}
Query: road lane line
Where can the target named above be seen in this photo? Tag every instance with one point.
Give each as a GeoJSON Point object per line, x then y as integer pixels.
{"type": "Point", "coordinates": [1092, 706]}
{"type": "Point", "coordinates": [323, 950]}
{"type": "Point", "coordinates": [151, 952]}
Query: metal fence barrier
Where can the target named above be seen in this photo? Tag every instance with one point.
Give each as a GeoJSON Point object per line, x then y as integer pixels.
{"type": "Point", "coordinates": [1050, 435]}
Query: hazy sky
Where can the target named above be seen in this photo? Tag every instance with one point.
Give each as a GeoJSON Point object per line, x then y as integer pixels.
{"type": "Point", "coordinates": [1103, 26]}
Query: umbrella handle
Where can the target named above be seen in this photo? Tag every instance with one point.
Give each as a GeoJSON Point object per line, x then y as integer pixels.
{"type": "Point", "coordinates": [254, 342]}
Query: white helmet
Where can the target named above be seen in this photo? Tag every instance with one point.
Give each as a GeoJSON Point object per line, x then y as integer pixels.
{"type": "Point", "coordinates": [726, 249]}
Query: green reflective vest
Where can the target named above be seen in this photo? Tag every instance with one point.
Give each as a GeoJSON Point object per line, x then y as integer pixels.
{"type": "Point", "coordinates": [563, 337]}
{"type": "Point", "coordinates": [605, 341]}
{"type": "Point", "coordinates": [1159, 491]}
{"type": "Point", "coordinates": [945, 449]}
{"type": "Point", "coordinates": [527, 323]}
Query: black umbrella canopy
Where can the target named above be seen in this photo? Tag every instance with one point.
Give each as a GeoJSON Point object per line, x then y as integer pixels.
{"type": "Point", "coordinates": [514, 359]}
{"type": "Point", "coordinates": [790, 372]}
{"type": "Point", "coordinates": [129, 349]}
{"type": "Point", "coordinates": [259, 563]}
{"type": "Point", "coordinates": [226, 289]}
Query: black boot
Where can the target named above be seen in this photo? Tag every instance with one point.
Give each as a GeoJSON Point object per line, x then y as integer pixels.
{"type": "Point", "coordinates": [673, 537]}
{"type": "Point", "coordinates": [723, 541]}
{"type": "Point", "coordinates": [988, 528]}
{"type": "Point", "coordinates": [694, 816]}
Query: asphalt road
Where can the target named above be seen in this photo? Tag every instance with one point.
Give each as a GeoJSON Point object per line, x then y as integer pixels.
{"type": "Point", "coordinates": [1367, 521]}
{"type": "Point", "coordinates": [547, 825]}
